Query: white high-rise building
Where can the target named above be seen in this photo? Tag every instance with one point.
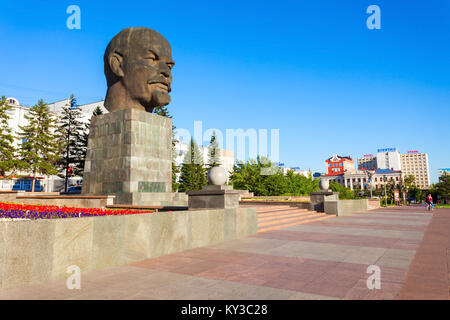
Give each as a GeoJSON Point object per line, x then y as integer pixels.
{"type": "Point", "coordinates": [388, 159]}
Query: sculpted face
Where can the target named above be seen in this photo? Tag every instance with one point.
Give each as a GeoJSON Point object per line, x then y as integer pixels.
{"type": "Point", "coordinates": [139, 74]}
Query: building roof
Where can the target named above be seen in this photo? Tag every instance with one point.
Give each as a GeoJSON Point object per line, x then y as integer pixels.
{"type": "Point", "coordinates": [333, 174]}
{"type": "Point", "coordinates": [340, 157]}
{"type": "Point", "coordinates": [384, 171]}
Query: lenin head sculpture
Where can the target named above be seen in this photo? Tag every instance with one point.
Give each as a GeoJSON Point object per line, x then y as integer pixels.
{"type": "Point", "coordinates": [138, 63]}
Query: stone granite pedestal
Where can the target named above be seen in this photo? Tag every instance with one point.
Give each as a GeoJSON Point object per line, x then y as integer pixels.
{"type": "Point", "coordinates": [317, 202]}
{"type": "Point", "coordinates": [214, 197]}
{"type": "Point", "coordinates": [129, 156]}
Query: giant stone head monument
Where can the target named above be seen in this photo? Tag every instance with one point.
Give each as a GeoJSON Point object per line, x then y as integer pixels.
{"type": "Point", "coordinates": [130, 148]}
{"type": "Point", "coordinates": [138, 64]}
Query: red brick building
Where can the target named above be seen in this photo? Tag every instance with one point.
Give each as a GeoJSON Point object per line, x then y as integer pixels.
{"type": "Point", "coordinates": [338, 165]}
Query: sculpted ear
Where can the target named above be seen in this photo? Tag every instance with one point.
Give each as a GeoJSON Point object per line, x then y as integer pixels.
{"type": "Point", "coordinates": [115, 63]}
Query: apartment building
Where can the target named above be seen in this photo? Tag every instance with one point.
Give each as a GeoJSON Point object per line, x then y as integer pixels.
{"type": "Point", "coordinates": [368, 162]}
{"type": "Point", "coordinates": [416, 164]}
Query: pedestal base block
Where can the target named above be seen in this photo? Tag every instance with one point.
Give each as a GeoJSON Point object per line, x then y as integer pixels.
{"type": "Point", "coordinates": [129, 156]}
{"type": "Point", "coordinates": [217, 197]}
{"type": "Point", "coordinates": [318, 199]}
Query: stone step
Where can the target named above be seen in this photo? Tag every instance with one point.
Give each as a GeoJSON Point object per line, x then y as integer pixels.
{"type": "Point", "coordinates": [262, 215]}
{"type": "Point", "coordinates": [286, 215]}
{"type": "Point", "coordinates": [287, 220]}
{"type": "Point", "coordinates": [277, 210]}
{"type": "Point", "coordinates": [285, 225]}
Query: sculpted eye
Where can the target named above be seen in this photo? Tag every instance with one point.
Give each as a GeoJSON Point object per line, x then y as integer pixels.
{"type": "Point", "coordinates": [151, 56]}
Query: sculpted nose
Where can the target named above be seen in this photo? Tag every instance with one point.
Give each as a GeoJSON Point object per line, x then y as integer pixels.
{"type": "Point", "coordinates": [165, 71]}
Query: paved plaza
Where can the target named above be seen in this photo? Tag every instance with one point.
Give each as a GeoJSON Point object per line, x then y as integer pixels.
{"type": "Point", "coordinates": [317, 259]}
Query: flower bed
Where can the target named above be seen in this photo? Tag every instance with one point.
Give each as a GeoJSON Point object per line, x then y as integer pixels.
{"type": "Point", "coordinates": [32, 212]}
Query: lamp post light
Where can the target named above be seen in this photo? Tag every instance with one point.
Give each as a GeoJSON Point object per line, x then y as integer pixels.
{"type": "Point", "coordinates": [385, 194]}
{"type": "Point", "coordinates": [369, 182]}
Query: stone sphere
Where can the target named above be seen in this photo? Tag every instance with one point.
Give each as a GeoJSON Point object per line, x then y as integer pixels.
{"type": "Point", "coordinates": [217, 176]}
{"type": "Point", "coordinates": [324, 184]}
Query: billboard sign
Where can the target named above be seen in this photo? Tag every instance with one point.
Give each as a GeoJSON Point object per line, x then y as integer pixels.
{"type": "Point", "coordinates": [386, 150]}
{"type": "Point", "coordinates": [368, 155]}
{"type": "Point", "coordinates": [413, 151]}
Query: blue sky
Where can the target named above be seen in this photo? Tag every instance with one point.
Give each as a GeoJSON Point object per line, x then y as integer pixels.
{"type": "Point", "coordinates": [311, 69]}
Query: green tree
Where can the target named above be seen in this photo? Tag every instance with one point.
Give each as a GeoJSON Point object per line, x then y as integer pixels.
{"type": "Point", "coordinates": [402, 189]}
{"type": "Point", "coordinates": [344, 193]}
{"type": "Point", "coordinates": [164, 112]}
{"type": "Point", "coordinates": [193, 173]}
{"type": "Point", "coordinates": [260, 176]}
{"type": "Point", "coordinates": [276, 184]}
{"type": "Point", "coordinates": [39, 150]}
{"type": "Point", "coordinates": [443, 187]}
{"type": "Point", "coordinates": [410, 181]}
{"type": "Point", "coordinates": [390, 189]}
{"type": "Point", "coordinates": [213, 152]}
{"type": "Point", "coordinates": [299, 185]}
{"type": "Point", "coordinates": [71, 139]}
{"type": "Point", "coordinates": [84, 138]}
{"type": "Point", "coordinates": [175, 171]}
{"type": "Point", "coordinates": [97, 111]}
{"type": "Point", "coordinates": [8, 160]}
{"type": "Point", "coordinates": [416, 193]}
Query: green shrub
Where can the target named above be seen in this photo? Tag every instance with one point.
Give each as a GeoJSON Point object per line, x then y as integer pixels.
{"type": "Point", "coordinates": [344, 193]}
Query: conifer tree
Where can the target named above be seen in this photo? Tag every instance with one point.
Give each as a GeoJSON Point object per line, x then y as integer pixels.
{"type": "Point", "coordinates": [163, 111]}
{"type": "Point", "coordinates": [84, 137]}
{"type": "Point", "coordinates": [71, 140]}
{"type": "Point", "coordinates": [213, 152]}
{"type": "Point", "coordinates": [193, 173]}
{"type": "Point", "coordinates": [7, 150]}
{"type": "Point", "coordinates": [39, 150]}
{"type": "Point", "coordinates": [97, 111]}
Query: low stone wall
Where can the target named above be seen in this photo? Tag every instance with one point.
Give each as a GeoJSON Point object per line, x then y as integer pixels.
{"type": "Point", "coordinates": [11, 196]}
{"type": "Point", "coordinates": [55, 199]}
{"type": "Point", "coordinates": [40, 250]}
{"type": "Point", "coordinates": [373, 204]}
{"type": "Point", "coordinates": [345, 207]}
{"type": "Point", "coordinates": [298, 204]}
{"type": "Point", "coordinates": [8, 196]}
{"type": "Point", "coordinates": [293, 198]}
{"type": "Point", "coordinates": [245, 194]}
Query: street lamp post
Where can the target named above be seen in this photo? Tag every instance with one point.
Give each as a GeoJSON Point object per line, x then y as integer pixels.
{"type": "Point", "coordinates": [369, 184]}
{"type": "Point", "coordinates": [385, 194]}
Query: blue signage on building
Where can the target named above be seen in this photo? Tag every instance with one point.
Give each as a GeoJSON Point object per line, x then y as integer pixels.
{"type": "Point", "coordinates": [387, 150]}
